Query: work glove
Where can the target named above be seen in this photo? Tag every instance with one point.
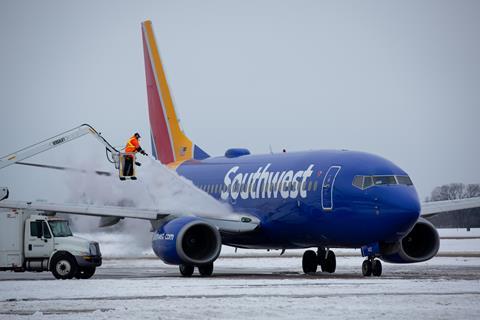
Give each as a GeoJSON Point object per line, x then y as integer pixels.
{"type": "Point", "coordinates": [144, 153]}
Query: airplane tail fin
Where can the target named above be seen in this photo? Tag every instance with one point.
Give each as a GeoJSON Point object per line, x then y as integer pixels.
{"type": "Point", "coordinates": [169, 143]}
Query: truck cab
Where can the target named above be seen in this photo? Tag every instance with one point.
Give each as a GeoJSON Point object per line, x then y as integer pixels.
{"type": "Point", "coordinates": [33, 242]}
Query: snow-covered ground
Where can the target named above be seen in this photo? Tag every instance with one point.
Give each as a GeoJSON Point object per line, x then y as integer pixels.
{"type": "Point", "coordinates": [257, 294]}
{"type": "Point", "coordinates": [258, 287]}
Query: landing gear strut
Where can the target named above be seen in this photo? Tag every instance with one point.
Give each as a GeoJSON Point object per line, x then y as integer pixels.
{"type": "Point", "coordinates": [372, 266]}
{"type": "Point", "coordinates": [323, 258]}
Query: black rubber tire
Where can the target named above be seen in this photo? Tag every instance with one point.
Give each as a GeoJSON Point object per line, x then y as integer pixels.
{"type": "Point", "coordinates": [85, 273]}
{"type": "Point", "coordinates": [63, 266]}
{"type": "Point", "coordinates": [186, 270]}
{"type": "Point", "coordinates": [309, 262]}
{"type": "Point", "coordinates": [206, 270]}
{"type": "Point", "coordinates": [330, 263]}
{"type": "Point", "coordinates": [376, 268]}
{"type": "Point", "coordinates": [367, 268]}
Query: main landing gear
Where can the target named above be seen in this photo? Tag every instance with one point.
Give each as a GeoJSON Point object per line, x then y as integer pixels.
{"type": "Point", "coordinates": [205, 270]}
{"type": "Point", "coordinates": [323, 258]}
{"type": "Point", "coordinates": [372, 266]}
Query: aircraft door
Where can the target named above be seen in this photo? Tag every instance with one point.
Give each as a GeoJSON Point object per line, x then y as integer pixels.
{"type": "Point", "coordinates": [327, 187]}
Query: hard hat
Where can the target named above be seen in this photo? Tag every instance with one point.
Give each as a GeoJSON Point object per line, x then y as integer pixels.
{"type": "Point", "coordinates": [137, 135]}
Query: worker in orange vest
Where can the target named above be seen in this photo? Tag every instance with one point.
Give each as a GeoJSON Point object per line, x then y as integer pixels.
{"type": "Point", "coordinates": [133, 146]}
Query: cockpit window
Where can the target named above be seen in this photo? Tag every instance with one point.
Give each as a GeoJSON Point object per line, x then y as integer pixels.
{"type": "Point", "coordinates": [364, 182]}
{"type": "Point", "coordinates": [358, 182]}
{"type": "Point", "coordinates": [367, 182]}
{"type": "Point", "coordinates": [404, 180]}
{"type": "Point", "coordinates": [382, 180]}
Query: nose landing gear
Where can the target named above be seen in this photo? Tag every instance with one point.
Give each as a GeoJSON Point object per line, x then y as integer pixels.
{"type": "Point", "coordinates": [372, 266]}
{"type": "Point", "coordinates": [323, 258]}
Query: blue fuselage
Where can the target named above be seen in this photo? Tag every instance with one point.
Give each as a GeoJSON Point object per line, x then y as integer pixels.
{"type": "Point", "coordinates": [311, 199]}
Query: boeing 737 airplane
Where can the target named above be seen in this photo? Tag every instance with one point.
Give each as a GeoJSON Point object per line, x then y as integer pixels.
{"type": "Point", "coordinates": [322, 199]}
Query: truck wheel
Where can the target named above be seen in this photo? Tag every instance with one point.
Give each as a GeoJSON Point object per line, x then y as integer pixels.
{"type": "Point", "coordinates": [63, 266]}
{"type": "Point", "coordinates": [85, 273]}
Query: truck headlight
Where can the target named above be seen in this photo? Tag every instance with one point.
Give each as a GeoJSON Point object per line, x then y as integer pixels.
{"type": "Point", "coordinates": [94, 249]}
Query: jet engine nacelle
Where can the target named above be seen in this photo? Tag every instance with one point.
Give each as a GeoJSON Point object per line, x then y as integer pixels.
{"type": "Point", "coordinates": [187, 240]}
{"type": "Point", "coordinates": [420, 244]}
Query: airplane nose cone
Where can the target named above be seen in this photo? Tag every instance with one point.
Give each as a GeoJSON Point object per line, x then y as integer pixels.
{"type": "Point", "coordinates": [400, 207]}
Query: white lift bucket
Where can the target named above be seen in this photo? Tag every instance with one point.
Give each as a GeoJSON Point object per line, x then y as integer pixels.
{"type": "Point", "coordinates": [126, 169]}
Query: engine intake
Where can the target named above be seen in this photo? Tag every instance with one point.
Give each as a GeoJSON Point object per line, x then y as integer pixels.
{"type": "Point", "coordinates": [420, 244]}
{"type": "Point", "coordinates": [187, 240]}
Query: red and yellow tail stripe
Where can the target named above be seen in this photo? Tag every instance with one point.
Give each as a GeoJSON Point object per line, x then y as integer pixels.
{"type": "Point", "coordinates": [169, 143]}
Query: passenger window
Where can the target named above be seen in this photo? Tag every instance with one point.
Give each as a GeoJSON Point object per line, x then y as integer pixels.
{"type": "Point", "coordinates": [304, 186]}
{"type": "Point", "coordinates": [315, 186]}
{"type": "Point", "coordinates": [310, 186]}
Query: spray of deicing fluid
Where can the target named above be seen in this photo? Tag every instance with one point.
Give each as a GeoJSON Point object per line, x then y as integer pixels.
{"type": "Point", "coordinates": [157, 187]}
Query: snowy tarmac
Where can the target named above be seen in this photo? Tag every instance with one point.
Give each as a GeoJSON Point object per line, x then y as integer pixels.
{"type": "Point", "coordinates": [255, 286]}
{"type": "Point", "coordinates": [250, 287]}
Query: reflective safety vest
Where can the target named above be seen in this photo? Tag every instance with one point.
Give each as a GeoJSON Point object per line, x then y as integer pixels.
{"type": "Point", "coordinates": [132, 145]}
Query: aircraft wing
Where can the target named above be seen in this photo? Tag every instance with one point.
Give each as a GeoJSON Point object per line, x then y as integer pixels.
{"type": "Point", "coordinates": [447, 206]}
{"type": "Point", "coordinates": [235, 222]}
{"type": "Point", "coordinates": [462, 213]}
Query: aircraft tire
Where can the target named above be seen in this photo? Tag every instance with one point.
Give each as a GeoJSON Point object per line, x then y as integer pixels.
{"type": "Point", "coordinates": [206, 270]}
{"type": "Point", "coordinates": [376, 268]}
{"type": "Point", "coordinates": [309, 262]}
{"type": "Point", "coordinates": [330, 263]}
{"type": "Point", "coordinates": [367, 268]}
{"type": "Point", "coordinates": [186, 270]}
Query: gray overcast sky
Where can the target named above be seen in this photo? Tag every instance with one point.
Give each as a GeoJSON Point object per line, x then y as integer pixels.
{"type": "Point", "coordinates": [396, 78]}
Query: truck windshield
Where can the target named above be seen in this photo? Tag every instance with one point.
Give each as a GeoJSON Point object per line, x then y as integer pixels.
{"type": "Point", "coordinates": [60, 228]}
